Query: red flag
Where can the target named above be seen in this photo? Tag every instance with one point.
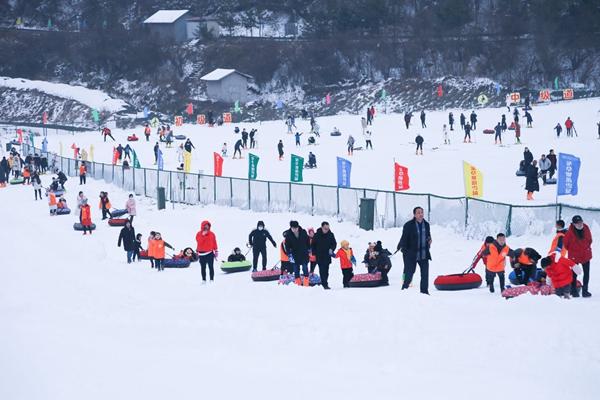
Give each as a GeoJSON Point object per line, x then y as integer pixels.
{"type": "Point", "coordinates": [218, 161]}
{"type": "Point", "coordinates": [20, 133]}
{"type": "Point", "coordinates": [44, 118]}
{"type": "Point", "coordinates": [400, 177]}
{"type": "Point", "coordinates": [189, 109]}
{"type": "Point", "coordinates": [328, 99]}
{"type": "Point", "coordinates": [440, 91]}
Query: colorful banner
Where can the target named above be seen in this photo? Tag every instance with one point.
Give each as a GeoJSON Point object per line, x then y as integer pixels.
{"type": "Point", "coordinates": [115, 156]}
{"type": "Point", "coordinates": [96, 116]}
{"type": "Point", "coordinates": [296, 168]}
{"type": "Point", "coordinates": [75, 151]}
{"type": "Point", "coordinates": [187, 161]}
{"type": "Point", "coordinates": [237, 108]}
{"type": "Point", "coordinates": [31, 142]}
{"type": "Point", "coordinates": [91, 152]}
{"type": "Point", "coordinates": [568, 174]}
{"type": "Point", "coordinates": [218, 164]}
{"type": "Point", "coordinates": [568, 94]}
{"type": "Point", "coordinates": [556, 83]}
{"type": "Point", "coordinates": [473, 181]}
{"type": "Point", "coordinates": [252, 166]}
{"type": "Point", "coordinates": [200, 119]}
{"type": "Point", "coordinates": [515, 97]}
{"type": "Point", "coordinates": [155, 121]}
{"type": "Point", "coordinates": [189, 109]}
{"type": "Point", "coordinates": [227, 118]}
{"type": "Point", "coordinates": [328, 99]}
{"type": "Point", "coordinates": [482, 99]}
{"type": "Point", "coordinates": [545, 95]}
{"type": "Point", "coordinates": [161, 162]}
{"type": "Point", "coordinates": [401, 181]}
{"type": "Point", "coordinates": [20, 135]}
{"type": "Point", "coordinates": [383, 94]}
{"type": "Point", "coordinates": [344, 168]}
{"type": "Point", "coordinates": [44, 117]}
{"type": "Point", "coordinates": [440, 91]}
{"type": "Point", "coordinates": [136, 161]}
{"type": "Point", "coordinates": [178, 120]}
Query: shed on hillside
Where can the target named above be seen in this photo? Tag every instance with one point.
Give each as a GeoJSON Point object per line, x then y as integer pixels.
{"type": "Point", "coordinates": [168, 25]}
{"type": "Point", "coordinates": [227, 85]}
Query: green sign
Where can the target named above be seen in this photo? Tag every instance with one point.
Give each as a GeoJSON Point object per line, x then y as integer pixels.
{"type": "Point", "coordinates": [136, 161]}
{"type": "Point", "coordinates": [95, 116]}
{"type": "Point", "coordinates": [252, 166]}
{"type": "Point", "coordinates": [297, 167]}
{"type": "Point", "coordinates": [383, 94]}
{"type": "Point", "coordinates": [236, 107]}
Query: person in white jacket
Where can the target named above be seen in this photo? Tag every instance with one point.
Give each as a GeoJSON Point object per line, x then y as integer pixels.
{"type": "Point", "coordinates": [368, 135]}
{"type": "Point", "coordinates": [544, 165]}
{"type": "Point", "coordinates": [180, 153]}
{"type": "Point", "coordinates": [130, 207]}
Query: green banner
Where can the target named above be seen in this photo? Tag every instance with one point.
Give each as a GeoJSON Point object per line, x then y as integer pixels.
{"type": "Point", "coordinates": [252, 166]}
{"type": "Point", "coordinates": [136, 161]}
{"type": "Point", "coordinates": [297, 167]}
{"type": "Point", "coordinates": [95, 116]}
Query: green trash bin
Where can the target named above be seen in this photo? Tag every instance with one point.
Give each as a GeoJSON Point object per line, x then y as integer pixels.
{"type": "Point", "coordinates": [161, 198]}
{"type": "Point", "coordinates": [367, 214]}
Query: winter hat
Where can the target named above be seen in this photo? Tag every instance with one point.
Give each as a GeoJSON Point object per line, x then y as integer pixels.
{"type": "Point", "coordinates": [294, 224]}
{"type": "Point", "coordinates": [260, 223]}
{"type": "Point", "coordinates": [546, 261]}
{"type": "Point", "coordinates": [378, 246]}
{"type": "Point", "coordinates": [576, 219]}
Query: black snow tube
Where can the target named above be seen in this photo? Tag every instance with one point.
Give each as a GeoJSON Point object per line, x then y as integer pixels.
{"type": "Point", "coordinates": [118, 213]}
{"type": "Point", "coordinates": [78, 227]}
{"type": "Point", "coordinates": [266, 276]}
{"type": "Point", "coordinates": [180, 137]}
{"type": "Point", "coordinates": [457, 281]}
{"type": "Point", "coordinates": [551, 181]}
{"type": "Point", "coordinates": [366, 280]}
{"type": "Point", "coordinates": [176, 263]}
{"type": "Point", "coordinates": [520, 172]}
{"type": "Point", "coordinates": [63, 211]}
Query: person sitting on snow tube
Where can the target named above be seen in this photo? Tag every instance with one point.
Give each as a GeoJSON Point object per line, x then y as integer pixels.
{"type": "Point", "coordinates": [524, 264]}
{"type": "Point", "coordinates": [377, 259]}
{"type": "Point", "coordinates": [236, 255]}
{"type": "Point", "coordinates": [188, 253]}
{"type": "Point", "coordinates": [312, 160]}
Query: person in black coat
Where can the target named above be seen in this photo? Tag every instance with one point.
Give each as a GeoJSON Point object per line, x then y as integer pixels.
{"type": "Point", "coordinates": [245, 138]}
{"type": "Point", "coordinates": [5, 168]}
{"type": "Point", "coordinates": [414, 244]}
{"type": "Point", "coordinates": [258, 241]}
{"type": "Point", "coordinates": [451, 121]}
{"type": "Point", "coordinates": [531, 182]}
{"type": "Point", "coordinates": [527, 157]}
{"type": "Point", "coordinates": [237, 148]}
{"type": "Point", "coordinates": [127, 237]}
{"type": "Point", "coordinates": [419, 141]}
{"type": "Point", "coordinates": [188, 146]}
{"type": "Point", "coordinates": [463, 121]}
{"type": "Point", "coordinates": [323, 247]}
{"type": "Point", "coordinates": [473, 118]}
{"type": "Point", "coordinates": [62, 179]}
{"type": "Point", "coordinates": [553, 162]}
{"type": "Point", "coordinates": [237, 256]}
{"type": "Point", "coordinates": [296, 245]}
{"type": "Point", "coordinates": [280, 149]}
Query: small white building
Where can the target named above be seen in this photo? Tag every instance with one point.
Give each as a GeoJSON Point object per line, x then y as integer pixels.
{"type": "Point", "coordinates": [168, 25]}
{"type": "Point", "coordinates": [227, 85]}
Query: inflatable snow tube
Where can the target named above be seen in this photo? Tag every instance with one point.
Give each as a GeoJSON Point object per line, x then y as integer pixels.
{"type": "Point", "coordinates": [176, 263]}
{"type": "Point", "coordinates": [335, 134]}
{"type": "Point", "coordinates": [457, 281]}
{"type": "Point", "coordinates": [15, 143]}
{"type": "Point", "coordinates": [132, 138]}
{"type": "Point", "coordinates": [180, 137]}
{"type": "Point", "coordinates": [542, 289]}
{"type": "Point", "coordinates": [489, 131]}
{"type": "Point", "coordinates": [366, 280]}
{"type": "Point", "coordinates": [551, 181]}
{"type": "Point", "coordinates": [16, 181]}
{"type": "Point", "coordinates": [59, 192]}
{"type": "Point", "coordinates": [78, 227]}
{"type": "Point", "coordinates": [511, 127]}
{"type": "Point", "coordinates": [117, 221]}
{"type": "Point", "coordinates": [266, 276]}
{"type": "Point", "coordinates": [235, 266]}
{"type": "Point", "coordinates": [63, 211]}
{"type": "Point", "coordinates": [518, 280]}
{"type": "Point", "coordinates": [144, 255]}
{"type": "Point", "coordinates": [314, 280]}
{"type": "Point", "coordinates": [520, 172]}
{"type": "Point", "coordinates": [286, 279]}
{"type": "Point", "coordinates": [118, 213]}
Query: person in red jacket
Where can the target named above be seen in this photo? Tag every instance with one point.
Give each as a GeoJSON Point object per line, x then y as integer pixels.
{"type": "Point", "coordinates": [578, 243]}
{"type": "Point", "coordinates": [206, 247]}
{"type": "Point", "coordinates": [347, 260]}
{"type": "Point", "coordinates": [560, 273]}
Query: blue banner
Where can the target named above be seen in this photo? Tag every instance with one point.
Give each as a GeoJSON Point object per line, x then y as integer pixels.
{"type": "Point", "coordinates": [146, 112]}
{"type": "Point", "coordinates": [568, 173]}
{"type": "Point", "coordinates": [160, 160]}
{"type": "Point", "coordinates": [344, 168]}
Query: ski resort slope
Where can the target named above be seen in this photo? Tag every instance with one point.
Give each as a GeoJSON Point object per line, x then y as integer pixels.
{"type": "Point", "coordinates": [438, 171]}
{"type": "Point", "coordinates": [79, 322]}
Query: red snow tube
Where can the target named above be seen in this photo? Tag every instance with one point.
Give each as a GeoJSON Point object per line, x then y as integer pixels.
{"type": "Point", "coordinates": [117, 221]}
{"type": "Point", "coordinates": [457, 281]}
{"type": "Point", "coordinates": [366, 280]}
{"type": "Point", "coordinates": [489, 131]}
{"type": "Point", "coordinates": [512, 127]}
{"type": "Point", "coordinates": [266, 276]}
{"type": "Point", "coordinates": [132, 138]}
{"type": "Point", "coordinates": [144, 255]}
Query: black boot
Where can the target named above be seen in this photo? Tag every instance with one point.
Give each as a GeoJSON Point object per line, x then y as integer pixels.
{"type": "Point", "coordinates": [491, 288]}
{"type": "Point", "coordinates": [585, 293]}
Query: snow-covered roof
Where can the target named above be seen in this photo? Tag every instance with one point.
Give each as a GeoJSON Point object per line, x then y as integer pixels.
{"type": "Point", "coordinates": [166, 16]}
{"type": "Point", "coordinates": [221, 73]}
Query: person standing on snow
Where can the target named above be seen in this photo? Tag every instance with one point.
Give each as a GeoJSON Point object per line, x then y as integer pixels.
{"type": "Point", "coordinates": [531, 181]}
{"type": "Point", "coordinates": [544, 165]}
{"type": "Point", "coordinates": [258, 241]}
{"type": "Point", "coordinates": [350, 143]}
{"type": "Point", "coordinates": [127, 237]}
{"type": "Point", "coordinates": [297, 137]}
{"type": "Point", "coordinates": [280, 149]}
{"type": "Point", "coordinates": [188, 146]}
{"type": "Point", "coordinates": [322, 247]}
{"type": "Point", "coordinates": [368, 142]}
{"type": "Point", "coordinates": [503, 123]}
{"type": "Point", "coordinates": [131, 207]}
{"type": "Point", "coordinates": [297, 245]}
{"type": "Point", "coordinates": [498, 136]}
{"type": "Point", "coordinates": [451, 120]}
{"type": "Point", "coordinates": [407, 118]}
{"type": "Point", "coordinates": [156, 150]}
{"type": "Point", "coordinates": [467, 129]}
{"type": "Point", "coordinates": [552, 157]}
{"type": "Point", "coordinates": [517, 133]}
{"type": "Point", "coordinates": [558, 129]}
{"type": "Point", "coordinates": [207, 249]}
{"type": "Point", "coordinates": [414, 244]}
{"type": "Point", "coordinates": [473, 120]}
{"type": "Point", "coordinates": [578, 242]}
{"type": "Point", "coordinates": [419, 141]}
{"type": "Point", "coordinates": [252, 135]}
{"type": "Point", "coordinates": [237, 148]}
{"type": "Point", "coordinates": [423, 125]}
{"type": "Point", "coordinates": [528, 118]}
{"type": "Point", "coordinates": [570, 127]}
{"type": "Point", "coordinates": [127, 151]}
{"type": "Point", "coordinates": [245, 138]}
{"type": "Point", "coordinates": [463, 121]}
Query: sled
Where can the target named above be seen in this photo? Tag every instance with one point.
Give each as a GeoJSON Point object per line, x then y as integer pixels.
{"type": "Point", "coordinates": [58, 192]}
{"type": "Point", "coordinates": [16, 181]}
{"type": "Point", "coordinates": [180, 137]}
{"type": "Point", "coordinates": [132, 138]}
{"type": "Point", "coordinates": [118, 212]}
{"type": "Point", "coordinates": [489, 131]}
{"type": "Point", "coordinates": [366, 280]}
{"type": "Point", "coordinates": [512, 127]}
{"type": "Point", "coordinates": [117, 221]}
{"type": "Point", "coordinates": [78, 227]}
{"type": "Point", "coordinates": [267, 275]}
{"type": "Point", "coordinates": [176, 263]}
{"type": "Point", "coordinates": [235, 266]}
{"type": "Point", "coordinates": [144, 255]}
{"type": "Point", "coordinates": [551, 181]}
{"type": "Point", "coordinates": [63, 211]}
{"type": "Point", "coordinates": [335, 134]}
{"type": "Point", "coordinates": [464, 281]}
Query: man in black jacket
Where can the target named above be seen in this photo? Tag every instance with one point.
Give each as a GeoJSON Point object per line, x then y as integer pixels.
{"type": "Point", "coordinates": [258, 241]}
{"type": "Point", "coordinates": [127, 237]}
{"type": "Point", "coordinates": [414, 244]}
{"type": "Point", "coordinates": [323, 246]}
{"type": "Point", "coordinates": [296, 245]}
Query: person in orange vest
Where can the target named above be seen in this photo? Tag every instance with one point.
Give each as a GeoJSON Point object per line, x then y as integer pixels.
{"type": "Point", "coordinates": [312, 258]}
{"type": "Point", "coordinates": [285, 260]}
{"type": "Point", "coordinates": [158, 251]}
{"type": "Point", "coordinates": [104, 205]}
{"type": "Point", "coordinates": [52, 203]}
{"type": "Point", "coordinates": [147, 132]}
{"type": "Point", "coordinates": [151, 248]}
{"type": "Point", "coordinates": [347, 260]}
{"type": "Point", "coordinates": [26, 176]}
{"type": "Point", "coordinates": [82, 173]}
{"type": "Point", "coordinates": [524, 263]}
{"type": "Point", "coordinates": [85, 217]}
{"type": "Point", "coordinates": [496, 254]}
{"type": "Point", "coordinates": [557, 242]}
{"type": "Point", "coordinates": [206, 246]}
{"type": "Point", "coordinates": [479, 256]}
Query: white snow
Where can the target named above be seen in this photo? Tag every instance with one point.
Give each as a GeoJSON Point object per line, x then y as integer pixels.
{"type": "Point", "coordinates": [165, 16]}
{"type": "Point", "coordinates": [92, 98]}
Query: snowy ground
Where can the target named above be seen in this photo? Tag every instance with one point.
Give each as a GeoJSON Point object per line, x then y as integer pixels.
{"type": "Point", "coordinates": [439, 171]}
{"type": "Point", "coordinates": [78, 322]}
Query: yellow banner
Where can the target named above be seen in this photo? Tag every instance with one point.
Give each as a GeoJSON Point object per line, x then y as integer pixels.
{"type": "Point", "coordinates": [473, 180]}
{"type": "Point", "coordinates": [91, 152]}
{"type": "Point", "coordinates": [187, 161]}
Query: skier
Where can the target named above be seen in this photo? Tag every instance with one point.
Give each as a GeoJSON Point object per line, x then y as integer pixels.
{"type": "Point", "coordinates": [445, 132]}
{"type": "Point", "coordinates": [531, 182]}
{"type": "Point", "coordinates": [463, 121]}
{"type": "Point", "coordinates": [423, 125]}
{"type": "Point", "coordinates": [350, 143]}
{"type": "Point", "coordinates": [552, 157]}
{"type": "Point", "coordinates": [237, 148]}
{"type": "Point", "coordinates": [368, 142]}
{"type": "Point", "coordinates": [570, 126]}
{"type": "Point", "coordinates": [498, 136]}
{"type": "Point", "coordinates": [451, 120]}
{"type": "Point", "coordinates": [419, 141]}
{"type": "Point", "coordinates": [106, 132]}
{"type": "Point", "coordinates": [127, 151]}
{"type": "Point", "coordinates": [245, 138]}
{"type": "Point", "coordinates": [120, 151]}
{"type": "Point", "coordinates": [545, 166]}
{"type": "Point", "coordinates": [206, 246]}
{"type": "Point", "coordinates": [258, 241]}
{"type": "Point", "coordinates": [297, 137]}
{"type": "Point", "coordinates": [528, 118]}
{"type": "Point", "coordinates": [473, 120]}
{"type": "Point", "coordinates": [147, 132]}
{"type": "Point", "coordinates": [558, 129]}
{"type": "Point", "coordinates": [280, 149]}
{"type": "Point", "coordinates": [467, 129]}
{"type": "Point", "coordinates": [503, 123]}
{"type": "Point", "coordinates": [407, 117]}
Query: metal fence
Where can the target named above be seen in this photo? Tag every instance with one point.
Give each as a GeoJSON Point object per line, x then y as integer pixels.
{"type": "Point", "coordinates": [472, 217]}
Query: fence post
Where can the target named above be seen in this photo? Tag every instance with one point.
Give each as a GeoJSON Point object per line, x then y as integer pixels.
{"type": "Point", "coordinates": [268, 196]}
{"type": "Point", "coordinates": [509, 221]}
{"type": "Point", "coordinates": [184, 186]}
{"type": "Point", "coordinates": [68, 166]}
{"type": "Point", "coordinates": [290, 196]}
{"type": "Point", "coordinates": [429, 208]}
{"type": "Point", "coordinates": [133, 171]}
{"type": "Point", "coordinates": [102, 170]}
{"type": "Point", "coordinates": [466, 213]}
{"type": "Point", "coordinates": [214, 189]}
{"type": "Point", "coordinates": [122, 177]}
{"type": "Point", "coordinates": [113, 174]}
{"type": "Point", "coordinates": [199, 188]}
{"type": "Point", "coordinates": [145, 190]}
{"type": "Point", "coordinates": [249, 196]}
{"type": "Point", "coordinates": [312, 199]}
{"type": "Point", "coordinates": [230, 192]}
{"type": "Point", "coordinates": [171, 186]}
{"type": "Point", "coordinates": [395, 214]}
{"type": "Point", "coordinates": [338, 201]}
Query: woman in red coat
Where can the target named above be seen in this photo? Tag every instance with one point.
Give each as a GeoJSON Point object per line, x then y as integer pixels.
{"type": "Point", "coordinates": [578, 242]}
{"type": "Point", "coordinates": [206, 246]}
{"type": "Point", "coordinates": [561, 274]}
